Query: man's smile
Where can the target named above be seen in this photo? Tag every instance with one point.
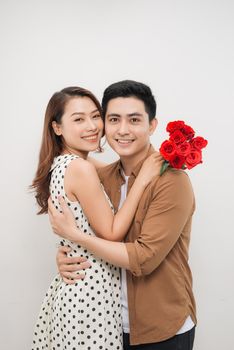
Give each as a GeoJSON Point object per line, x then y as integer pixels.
{"type": "Point", "coordinates": [124, 141]}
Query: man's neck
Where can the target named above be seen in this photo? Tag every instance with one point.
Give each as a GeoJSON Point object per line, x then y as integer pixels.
{"type": "Point", "coordinates": [129, 163]}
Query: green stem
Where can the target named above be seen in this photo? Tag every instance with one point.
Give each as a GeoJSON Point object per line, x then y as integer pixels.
{"type": "Point", "coordinates": [164, 167]}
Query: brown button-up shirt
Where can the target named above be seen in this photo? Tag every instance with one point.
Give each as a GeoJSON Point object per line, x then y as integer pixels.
{"type": "Point", "coordinates": [159, 282]}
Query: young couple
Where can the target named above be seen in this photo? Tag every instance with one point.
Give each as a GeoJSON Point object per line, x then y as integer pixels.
{"type": "Point", "coordinates": [120, 215]}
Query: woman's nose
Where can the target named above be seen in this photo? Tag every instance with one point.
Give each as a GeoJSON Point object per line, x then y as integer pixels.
{"type": "Point", "coordinates": [91, 124]}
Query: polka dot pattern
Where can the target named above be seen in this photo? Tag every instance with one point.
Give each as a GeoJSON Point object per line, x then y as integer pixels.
{"type": "Point", "coordinates": [86, 315]}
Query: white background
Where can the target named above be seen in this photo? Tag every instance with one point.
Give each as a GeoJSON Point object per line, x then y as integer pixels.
{"type": "Point", "coordinates": [184, 50]}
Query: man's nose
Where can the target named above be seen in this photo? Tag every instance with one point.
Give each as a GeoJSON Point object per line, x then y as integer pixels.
{"type": "Point", "coordinates": [123, 128]}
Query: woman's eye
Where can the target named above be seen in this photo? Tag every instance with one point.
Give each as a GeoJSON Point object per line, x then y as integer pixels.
{"type": "Point", "coordinates": [96, 116]}
{"type": "Point", "coordinates": [77, 120]}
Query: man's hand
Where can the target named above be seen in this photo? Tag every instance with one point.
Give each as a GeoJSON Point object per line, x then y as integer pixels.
{"type": "Point", "coordinates": [63, 223]}
{"type": "Point", "coordinates": [68, 266]}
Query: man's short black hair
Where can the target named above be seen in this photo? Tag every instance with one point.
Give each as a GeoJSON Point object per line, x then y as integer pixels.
{"type": "Point", "coordinates": [130, 88]}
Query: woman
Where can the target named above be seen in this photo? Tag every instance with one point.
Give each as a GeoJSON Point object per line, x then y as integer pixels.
{"type": "Point", "coordinates": [85, 315]}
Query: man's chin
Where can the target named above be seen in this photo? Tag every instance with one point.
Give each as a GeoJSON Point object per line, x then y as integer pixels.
{"type": "Point", "coordinates": [126, 151]}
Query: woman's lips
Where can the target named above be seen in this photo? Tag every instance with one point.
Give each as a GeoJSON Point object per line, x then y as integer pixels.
{"type": "Point", "coordinates": [92, 138]}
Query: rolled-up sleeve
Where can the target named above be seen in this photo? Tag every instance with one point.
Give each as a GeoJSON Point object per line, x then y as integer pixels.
{"type": "Point", "coordinates": [168, 214]}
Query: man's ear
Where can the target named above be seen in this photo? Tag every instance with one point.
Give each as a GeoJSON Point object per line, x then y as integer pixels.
{"type": "Point", "coordinates": [153, 125]}
{"type": "Point", "coordinates": [57, 129]}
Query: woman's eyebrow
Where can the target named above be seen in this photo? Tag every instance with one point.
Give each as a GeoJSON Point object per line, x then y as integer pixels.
{"type": "Point", "coordinates": [83, 113]}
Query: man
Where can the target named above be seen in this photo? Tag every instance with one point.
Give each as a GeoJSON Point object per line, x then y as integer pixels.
{"type": "Point", "coordinates": [158, 306]}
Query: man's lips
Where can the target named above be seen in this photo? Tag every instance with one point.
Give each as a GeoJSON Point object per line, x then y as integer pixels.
{"type": "Point", "coordinates": [124, 141]}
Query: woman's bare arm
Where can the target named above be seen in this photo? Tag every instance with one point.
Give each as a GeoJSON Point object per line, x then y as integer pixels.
{"type": "Point", "coordinates": [82, 184]}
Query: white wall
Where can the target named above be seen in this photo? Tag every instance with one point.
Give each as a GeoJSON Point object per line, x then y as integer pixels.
{"type": "Point", "coordinates": [184, 50]}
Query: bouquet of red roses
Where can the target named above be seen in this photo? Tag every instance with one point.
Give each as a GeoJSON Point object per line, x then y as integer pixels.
{"type": "Point", "coordinates": [182, 150]}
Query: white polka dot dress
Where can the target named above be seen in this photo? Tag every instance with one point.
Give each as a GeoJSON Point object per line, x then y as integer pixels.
{"type": "Point", "coordinates": [87, 315]}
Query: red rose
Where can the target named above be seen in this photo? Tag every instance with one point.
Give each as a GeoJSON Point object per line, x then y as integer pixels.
{"type": "Point", "coordinates": [193, 158]}
{"type": "Point", "coordinates": [198, 142]}
{"type": "Point", "coordinates": [183, 149]}
{"type": "Point", "coordinates": [167, 149]}
{"type": "Point", "coordinates": [177, 161]}
{"type": "Point", "coordinates": [177, 137]}
{"type": "Point", "coordinates": [173, 126]}
{"type": "Point", "coordinates": [188, 131]}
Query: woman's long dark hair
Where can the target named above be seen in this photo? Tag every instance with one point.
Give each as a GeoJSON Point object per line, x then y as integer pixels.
{"type": "Point", "coordinates": [52, 145]}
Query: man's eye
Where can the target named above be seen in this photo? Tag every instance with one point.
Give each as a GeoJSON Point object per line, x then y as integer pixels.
{"type": "Point", "coordinates": [77, 119]}
{"type": "Point", "coordinates": [113, 120]}
{"type": "Point", "coordinates": [134, 120]}
{"type": "Point", "coordinates": [96, 116]}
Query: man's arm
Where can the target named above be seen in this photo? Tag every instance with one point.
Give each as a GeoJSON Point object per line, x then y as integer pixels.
{"type": "Point", "coordinates": [68, 266]}
{"type": "Point", "coordinates": [168, 213]}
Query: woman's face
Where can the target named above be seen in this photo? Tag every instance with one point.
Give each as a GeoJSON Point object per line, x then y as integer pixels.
{"type": "Point", "coordinates": [81, 126]}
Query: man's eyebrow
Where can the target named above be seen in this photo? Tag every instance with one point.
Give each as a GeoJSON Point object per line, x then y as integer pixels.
{"type": "Point", "coordinates": [82, 113]}
{"type": "Point", "coordinates": [135, 114]}
{"type": "Point", "coordinates": [113, 115]}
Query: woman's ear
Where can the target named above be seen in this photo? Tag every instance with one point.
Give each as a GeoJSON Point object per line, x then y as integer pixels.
{"type": "Point", "coordinates": [57, 128]}
{"type": "Point", "coordinates": [153, 125]}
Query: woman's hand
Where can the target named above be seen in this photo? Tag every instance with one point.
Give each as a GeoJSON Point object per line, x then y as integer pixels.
{"type": "Point", "coordinates": [63, 223]}
{"type": "Point", "coordinates": [150, 168]}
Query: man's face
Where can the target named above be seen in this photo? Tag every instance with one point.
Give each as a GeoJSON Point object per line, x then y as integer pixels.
{"type": "Point", "coordinates": [127, 126]}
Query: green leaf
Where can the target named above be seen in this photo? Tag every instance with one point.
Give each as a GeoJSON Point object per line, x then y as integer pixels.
{"type": "Point", "coordinates": [164, 167]}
